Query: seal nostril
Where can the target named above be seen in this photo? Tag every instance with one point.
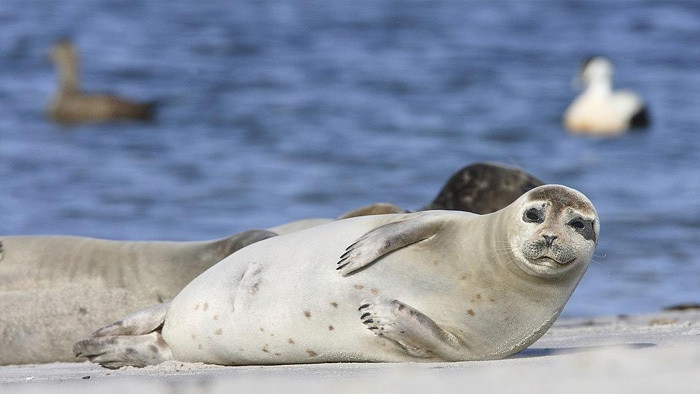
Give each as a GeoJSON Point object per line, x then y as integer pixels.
{"type": "Point", "coordinates": [549, 239]}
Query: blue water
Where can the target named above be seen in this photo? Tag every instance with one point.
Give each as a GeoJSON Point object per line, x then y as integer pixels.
{"type": "Point", "coordinates": [276, 111]}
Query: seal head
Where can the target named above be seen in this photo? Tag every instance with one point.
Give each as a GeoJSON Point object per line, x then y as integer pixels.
{"type": "Point", "coordinates": [483, 188]}
{"type": "Point", "coordinates": [556, 233]}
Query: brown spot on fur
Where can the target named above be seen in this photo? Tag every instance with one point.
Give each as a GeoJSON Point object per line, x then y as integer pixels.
{"type": "Point", "coordinates": [478, 296]}
{"type": "Point", "coordinates": [470, 312]}
{"type": "Point", "coordinates": [492, 300]}
{"type": "Point", "coordinates": [278, 354]}
{"type": "Point", "coordinates": [374, 291]}
{"type": "Point", "coordinates": [436, 262]}
{"type": "Point", "coordinates": [290, 341]}
{"type": "Point", "coordinates": [359, 287]}
{"type": "Point", "coordinates": [218, 331]}
{"type": "Point", "coordinates": [334, 304]}
{"type": "Point", "coordinates": [264, 349]}
{"type": "Point", "coordinates": [153, 348]}
{"type": "Point", "coordinates": [216, 317]}
{"type": "Point", "coordinates": [193, 337]}
{"type": "Point", "coordinates": [330, 328]}
{"type": "Point", "coordinates": [505, 319]}
{"type": "Point", "coordinates": [262, 329]}
{"type": "Point", "coordinates": [82, 311]}
{"type": "Point", "coordinates": [196, 307]}
{"type": "Point", "coordinates": [206, 306]}
{"type": "Point", "coordinates": [307, 314]}
{"type": "Point", "coordinates": [311, 353]}
{"type": "Point", "coordinates": [199, 346]}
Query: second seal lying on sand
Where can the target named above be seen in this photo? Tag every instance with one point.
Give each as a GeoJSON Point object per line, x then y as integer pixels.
{"type": "Point", "coordinates": [434, 285]}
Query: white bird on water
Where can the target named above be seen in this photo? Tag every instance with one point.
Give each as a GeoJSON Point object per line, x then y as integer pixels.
{"type": "Point", "coordinates": [599, 110]}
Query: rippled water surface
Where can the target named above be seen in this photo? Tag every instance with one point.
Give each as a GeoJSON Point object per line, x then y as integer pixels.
{"type": "Point", "coordinates": [275, 111]}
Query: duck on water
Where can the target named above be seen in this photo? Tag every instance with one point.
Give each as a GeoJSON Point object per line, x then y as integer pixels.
{"type": "Point", "coordinates": [71, 105]}
{"type": "Point", "coordinates": [599, 110]}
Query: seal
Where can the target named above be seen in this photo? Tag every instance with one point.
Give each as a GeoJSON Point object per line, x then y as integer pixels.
{"type": "Point", "coordinates": [483, 188]}
{"type": "Point", "coordinates": [74, 284]}
{"type": "Point", "coordinates": [435, 285]}
{"type": "Point", "coordinates": [55, 289]}
{"type": "Point", "coordinates": [599, 110]}
{"type": "Point", "coordinates": [480, 187]}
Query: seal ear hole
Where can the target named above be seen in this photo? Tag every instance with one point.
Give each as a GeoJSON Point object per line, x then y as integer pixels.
{"type": "Point", "coordinates": [533, 215]}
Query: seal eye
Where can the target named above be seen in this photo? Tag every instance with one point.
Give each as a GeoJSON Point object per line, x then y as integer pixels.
{"type": "Point", "coordinates": [533, 215]}
{"type": "Point", "coordinates": [583, 227]}
{"type": "Point", "coordinates": [577, 224]}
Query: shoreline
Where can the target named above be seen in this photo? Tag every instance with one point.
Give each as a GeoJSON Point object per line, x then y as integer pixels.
{"type": "Point", "coordinates": [658, 352]}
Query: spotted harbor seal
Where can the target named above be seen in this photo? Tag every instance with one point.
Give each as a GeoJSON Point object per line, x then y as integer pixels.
{"type": "Point", "coordinates": [480, 187]}
{"type": "Point", "coordinates": [599, 110]}
{"type": "Point", "coordinates": [56, 289]}
{"type": "Point", "coordinates": [436, 285]}
{"type": "Point", "coordinates": [483, 188]}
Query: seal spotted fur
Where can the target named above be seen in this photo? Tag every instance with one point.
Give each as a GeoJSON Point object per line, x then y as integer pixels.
{"type": "Point", "coordinates": [55, 289]}
{"type": "Point", "coordinates": [435, 285]}
{"type": "Point", "coordinates": [67, 286]}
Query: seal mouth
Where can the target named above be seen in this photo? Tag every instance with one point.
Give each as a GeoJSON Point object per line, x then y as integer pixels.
{"type": "Point", "coordinates": [547, 261]}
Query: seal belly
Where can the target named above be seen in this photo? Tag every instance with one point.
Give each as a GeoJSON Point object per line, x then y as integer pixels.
{"type": "Point", "coordinates": [256, 306]}
{"type": "Point", "coordinates": [253, 322]}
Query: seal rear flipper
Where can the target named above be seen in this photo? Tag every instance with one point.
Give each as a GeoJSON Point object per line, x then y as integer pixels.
{"type": "Point", "coordinates": [418, 334]}
{"type": "Point", "coordinates": [121, 351]}
{"type": "Point", "coordinates": [388, 238]}
{"type": "Point", "coordinates": [138, 323]}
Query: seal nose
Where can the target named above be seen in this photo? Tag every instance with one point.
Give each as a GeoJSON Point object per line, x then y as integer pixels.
{"type": "Point", "coordinates": [549, 239]}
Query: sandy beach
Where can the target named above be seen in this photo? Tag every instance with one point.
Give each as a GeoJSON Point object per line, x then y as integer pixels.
{"type": "Point", "coordinates": [651, 353]}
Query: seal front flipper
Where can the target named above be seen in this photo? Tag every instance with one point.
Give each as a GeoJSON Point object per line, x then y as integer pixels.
{"type": "Point", "coordinates": [387, 238]}
{"type": "Point", "coordinates": [135, 340]}
{"type": "Point", "coordinates": [419, 335]}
